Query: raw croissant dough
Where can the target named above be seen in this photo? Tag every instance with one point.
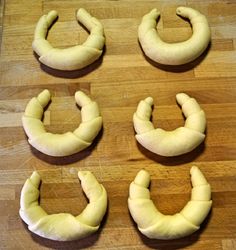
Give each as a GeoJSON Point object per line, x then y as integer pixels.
{"type": "Point", "coordinates": [174, 53]}
{"type": "Point", "coordinates": [71, 58]}
{"type": "Point", "coordinates": [63, 226]}
{"type": "Point", "coordinates": [61, 144]}
{"type": "Point", "coordinates": [156, 225]}
{"type": "Point", "coordinates": [170, 143]}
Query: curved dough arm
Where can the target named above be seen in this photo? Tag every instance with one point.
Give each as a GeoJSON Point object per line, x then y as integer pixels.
{"type": "Point", "coordinates": [67, 143]}
{"type": "Point", "coordinates": [174, 53]}
{"type": "Point", "coordinates": [156, 225]}
{"type": "Point", "coordinates": [71, 58]}
{"type": "Point", "coordinates": [170, 143]}
{"type": "Point", "coordinates": [63, 226]}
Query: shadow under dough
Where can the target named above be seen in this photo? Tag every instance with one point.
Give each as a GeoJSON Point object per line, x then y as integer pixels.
{"type": "Point", "coordinates": [72, 74]}
{"type": "Point", "coordinates": [179, 68]}
{"type": "Point", "coordinates": [174, 160]}
{"type": "Point", "coordinates": [86, 242]}
{"type": "Point", "coordinates": [66, 160]}
{"type": "Point", "coordinates": [183, 67]}
{"type": "Point", "coordinates": [175, 243]}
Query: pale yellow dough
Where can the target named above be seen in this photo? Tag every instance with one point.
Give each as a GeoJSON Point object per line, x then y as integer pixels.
{"type": "Point", "coordinates": [174, 53]}
{"type": "Point", "coordinates": [170, 143]}
{"type": "Point", "coordinates": [69, 142]}
{"type": "Point", "coordinates": [156, 225]}
{"type": "Point", "coordinates": [72, 58]}
{"type": "Point", "coordinates": [63, 226]}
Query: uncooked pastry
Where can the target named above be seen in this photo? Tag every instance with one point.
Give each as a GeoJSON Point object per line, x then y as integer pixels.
{"type": "Point", "coordinates": [69, 142]}
{"type": "Point", "coordinates": [72, 58]}
{"type": "Point", "coordinates": [63, 226]}
{"type": "Point", "coordinates": [170, 143]}
{"type": "Point", "coordinates": [174, 53]}
{"type": "Point", "coordinates": [156, 225]}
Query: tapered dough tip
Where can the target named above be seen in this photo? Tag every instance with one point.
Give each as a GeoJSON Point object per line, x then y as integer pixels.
{"type": "Point", "coordinates": [155, 11]}
{"type": "Point", "coordinates": [142, 178]}
{"type": "Point", "coordinates": [81, 11]}
{"type": "Point", "coordinates": [51, 16]}
{"type": "Point", "coordinates": [35, 174]}
{"type": "Point", "coordinates": [85, 18]}
{"type": "Point", "coordinates": [85, 176]}
{"type": "Point", "coordinates": [81, 98]}
{"type": "Point", "coordinates": [44, 97]}
{"type": "Point", "coordinates": [35, 179]}
{"type": "Point", "coordinates": [82, 174]}
{"type": "Point", "coordinates": [151, 15]}
{"type": "Point", "coordinates": [187, 12]}
{"type": "Point", "coordinates": [179, 10]}
{"type": "Point", "coordinates": [181, 98]}
{"type": "Point", "coordinates": [193, 168]}
{"type": "Point", "coordinates": [197, 177]}
{"type": "Point", "coordinates": [45, 93]}
{"type": "Point", "coordinates": [53, 13]}
{"type": "Point", "coordinates": [149, 100]}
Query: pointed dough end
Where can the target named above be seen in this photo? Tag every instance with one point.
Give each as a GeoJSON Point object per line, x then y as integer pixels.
{"type": "Point", "coordinates": [155, 13]}
{"type": "Point", "coordinates": [142, 178]}
{"type": "Point", "coordinates": [181, 98]}
{"type": "Point", "coordinates": [149, 100]}
{"type": "Point", "coordinates": [82, 174]}
{"type": "Point", "coordinates": [197, 177]}
{"type": "Point", "coordinates": [82, 99]}
{"type": "Point", "coordinates": [44, 97]}
{"type": "Point", "coordinates": [51, 16]}
{"type": "Point", "coordinates": [53, 13]}
{"type": "Point", "coordinates": [35, 179]}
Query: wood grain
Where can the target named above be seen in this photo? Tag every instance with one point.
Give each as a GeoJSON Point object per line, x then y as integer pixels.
{"type": "Point", "coordinates": [118, 81]}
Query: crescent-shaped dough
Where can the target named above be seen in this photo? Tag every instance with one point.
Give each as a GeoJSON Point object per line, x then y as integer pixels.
{"type": "Point", "coordinates": [63, 226]}
{"type": "Point", "coordinates": [71, 58]}
{"type": "Point", "coordinates": [156, 225]}
{"type": "Point", "coordinates": [170, 143]}
{"type": "Point", "coordinates": [174, 53]}
{"type": "Point", "coordinates": [67, 143]}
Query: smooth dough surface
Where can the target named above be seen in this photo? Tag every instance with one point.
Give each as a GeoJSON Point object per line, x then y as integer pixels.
{"type": "Point", "coordinates": [156, 225]}
{"type": "Point", "coordinates": [170, 143]}
{"type": "Point", "coordinates": [174, 53]}
{"type": "Point", "coordinates": [63, 226]}
{"type": "Point", "coordinates": [61, 144]}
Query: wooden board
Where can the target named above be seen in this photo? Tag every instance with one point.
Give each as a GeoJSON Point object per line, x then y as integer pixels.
{"type": "Point", "coordinates": [117, 82]}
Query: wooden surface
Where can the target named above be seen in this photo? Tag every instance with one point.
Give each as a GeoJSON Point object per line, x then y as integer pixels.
{"type": "Point", "coordinates": [117, 82]}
